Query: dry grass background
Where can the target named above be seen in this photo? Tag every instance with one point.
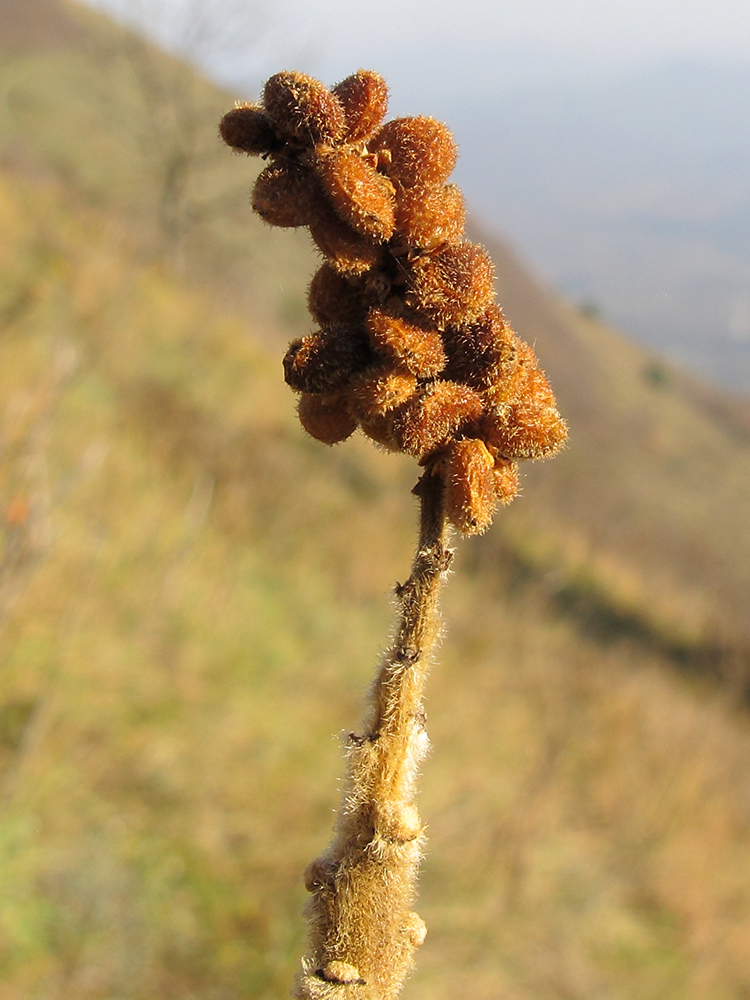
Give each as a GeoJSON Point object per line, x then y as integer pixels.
{"type": "Point", "coordinates": [192, 597]}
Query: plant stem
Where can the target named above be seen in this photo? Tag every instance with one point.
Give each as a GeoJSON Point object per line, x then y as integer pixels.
{"type": "Point", "coordinates": [362, 929]}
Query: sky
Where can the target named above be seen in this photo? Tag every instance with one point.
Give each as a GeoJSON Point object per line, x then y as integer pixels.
{"type": "Point", "coordinates": [426, 45]}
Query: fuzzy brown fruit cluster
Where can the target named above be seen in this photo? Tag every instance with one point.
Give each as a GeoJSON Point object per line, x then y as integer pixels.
{"type": "Point", "coordinates": [411, 347]}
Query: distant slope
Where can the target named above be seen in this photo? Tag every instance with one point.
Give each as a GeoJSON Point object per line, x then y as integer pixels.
{"type": "Point", "coordinates": [653, 493]}
{"type": "Point", "coordinates": [40, 25]}
{"type": "Point", "coordinates": [633, 196]}
{"type": "Point", "coordinates": [193, 594]}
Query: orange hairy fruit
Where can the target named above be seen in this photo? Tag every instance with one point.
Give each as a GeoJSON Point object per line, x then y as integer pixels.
{"type": "Point", "coordinates": [527, 423]}
{"type": "Point", "coordinates": [418, 348]}
{"type": "Point", "coordinates": [379, 428]}
{"type": "Point", "coordinates": [304, 108]}
{"type": "Point", "coordinates": [247, 128]}
{"type": "Point", "coordinates": [364, 97]}
{"type": "Point", "coordinates": [326, 417]}
{"type": "Point", "coordinates": [501, 393]}
{"type": "Point", "coordinates": [361, 196]}
{"type": "Point", "coordinates": [452, 284]}
{"type": "Point", "coordinates": [470, 493]}
{"type": "Point", "coordinates": [326, 361]}
{"type": "Point", "coordinates": [433, 416]}
{"type": "Point", "coordinates": [427, 217]}
{"type": "Point", "coordinates": [507, 486]}
{"type": "Point", "coordinates": [481, 352]}
{"type": "Point", "coordinates": [333, 299]}
{"type": "Point", "coordinates": [415, 151]}
{"type": "Point", "coordinates": [286, 194]}
{"type": "Point", "coordinates": [348, 252]}
{"type": "Point", "coordinates": [377, 391]}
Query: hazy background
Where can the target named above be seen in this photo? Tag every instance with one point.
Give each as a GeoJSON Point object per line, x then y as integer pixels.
{"type": "Point", "coordinates": [610, 144]}
{"type": "Point", "coordinates": [193, 593]}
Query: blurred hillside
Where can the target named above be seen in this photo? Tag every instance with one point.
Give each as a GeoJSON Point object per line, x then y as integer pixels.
{"type": "Point", "coordinates": [193, 594]}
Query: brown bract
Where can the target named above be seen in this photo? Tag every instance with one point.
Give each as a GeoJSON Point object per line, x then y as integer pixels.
{"type": "Point", "coordinates": [428, 421]}
{"type": "Point", "coordinates": [326, 417]}
{"type": "Point", "coordinates": [412, 345]}
{"type": "Point", "coordinates": [452, 284]}
{"type": "Point", "coordinates": [327, 361]}
{"type": "Point", "coordinates": [379, 428]}
{"type": "Point", "coordinates": [304, 108]}
{"type": "Point", "coordinates": [470, 494]}
{"type": "Point", "coordinates": [333, 299]}
{"type": "Point", "coordinates": [379, 391]}
{"type": "Point", "coordinates": [364, 98]}
{"type": "Point", "coordinates": [507, 485]}
{"type": "Point", "coordinates": [347, 252]}
{"type": "Point", "coordinates": [247, 129]}
{"type": "Point", "coordinates": [285, 195]}
{"type": "Point", "coordinates": [530, 427]}
{"type": "Point", "coordinates": [429, 216]}
{"type": "Point", "coordinates": [416, 151]}
{"type": "Point", "coordinates": [361, 196]}
{"type": "Point", "coordinates": [482, 353]}
{"type": "Point", "coordinates": [417, 348]}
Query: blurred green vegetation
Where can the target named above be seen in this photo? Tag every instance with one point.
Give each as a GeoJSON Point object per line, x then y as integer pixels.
{"type": "Point", "coordinates": [193, 595]}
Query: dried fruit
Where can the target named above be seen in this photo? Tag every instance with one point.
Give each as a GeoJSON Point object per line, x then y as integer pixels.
{"type": "Point", "coordinates": [360, 195]}
{"type": "Point", "coordinates": [470, 494]}
{"type": "Point", "coordinates": [412, 345]}
{"type": "Point", "coordinates": [430, 420]}
{"type": "Point", "coordinates": [285, 195]}
{"type": "Point", "coordinates": [379, 391]}
{"type": "Point", "coordinates": [304, 108]}
{"type": "Point", "coordinates": [326, 418]}
{"type": "Point", "coordinates": [415, 151]}
{"type": "Point", "coordinates": [333, 299]}
{"type": "Point", "coordinates": [247, 129]}
{"type": "Point", "coordinates": [364, 98]}
{"type": "Point", "coordinates": [429, 216]}
{"type": "Point", "coordinates": [451, 285]}
{"type": "Point", "coordinates": [326, 361]}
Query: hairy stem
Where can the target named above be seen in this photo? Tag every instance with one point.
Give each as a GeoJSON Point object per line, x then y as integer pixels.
{"type": "Point", "coordinates": [363, 932]}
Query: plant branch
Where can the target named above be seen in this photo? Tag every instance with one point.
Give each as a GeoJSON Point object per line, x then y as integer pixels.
{"type": "Point", "coordinates": [363, 930]}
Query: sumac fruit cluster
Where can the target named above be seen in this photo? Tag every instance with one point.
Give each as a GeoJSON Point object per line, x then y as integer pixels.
{"type": "Point", "coordinates": [411, 346]}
